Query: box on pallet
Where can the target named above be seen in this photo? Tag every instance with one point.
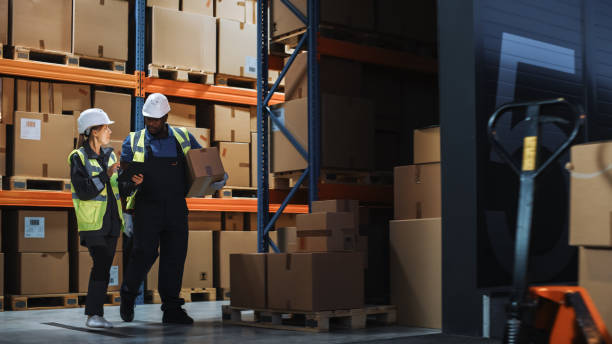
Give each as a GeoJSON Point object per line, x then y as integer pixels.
{"type": "Point", "coordinates": [7, 107]}
{"type": "Point", "coordinates": [28, 93]}
{"type": "Point", "coordinates": [232, 123]}
{"type": "Point", "coordinates": [427, 145]}
{"type": "Point", "coordinates": [234, 221]}
{"type": "Point", "coordinates": [170, 4]}
{"type": "Point", "coordinates": [248, 280]}
{"type": "Point", "coordinates": [205, 7]}
{"type": "Point", "coordinates": [237, 59]}
{"type": "Point", "coordinates": [594, 275]}
{"type": "Point", "coordinates": [204, 220]}
{"type": "Point", "coordinates": [45, 25]}
{"type": "Point", "coordinates": [81, 269]}
{"type": "Point", "coordinates": [182, 115]}
{"type": "Point", "coordinates": [417, 191]}
{"type": "Point", "coordinates": [205, 168]}
{"type": "Point", "coordinates": [37, 231]}
{"type": "Point", "coordinates": [118, 106]}
{"type": "Point", "coordinates": [235, 158]}
{"type": "Point", "coordinates": [326, 231]}
{"type": "Point", "coordinates": [238, 10]}
{"type": "Point", "coordinates": [51, 95]}
{"type": "Point", "coordinates": [100, 29]}
{"type": "Point", "coordinates": [29, 273]}
{"type": "Point", "coordinates": [338, 205]}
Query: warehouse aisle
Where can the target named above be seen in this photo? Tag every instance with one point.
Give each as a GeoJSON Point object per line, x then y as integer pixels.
{"type": "Point", "coordinates": [67, 326]}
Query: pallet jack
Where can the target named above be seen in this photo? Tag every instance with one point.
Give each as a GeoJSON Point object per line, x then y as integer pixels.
{"type": "Point", "coordinates": [543, 314]}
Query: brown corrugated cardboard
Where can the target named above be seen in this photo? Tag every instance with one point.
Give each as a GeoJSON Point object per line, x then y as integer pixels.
{"type": "Point", "coordinates": [232, 123]}
{"type": "Point", "coordinates": [234, 221]}
{"type": "Point", "coordinates": [287, 239]}
{"type": "Point", "coordinates": [591, 195]}
{"type": "Point", "coordinates": [7, 108]}
{"type": "Point", "coordinates": [202, 135]}
{"type": "Point", "coordinates": [2, 149]}
{"type": "Point", "coordinates": [29, 273]}
{"type": "Point", "coordinates": [326, 240]}
{"type": "Point", "coordinates": [197, 47]}
{"type": "Point", "coordinates": [37, 231]}
{"type": "Point", "coordinates": [116, 146]}
{"type": "Point", "coordinates": [100, 29]}
{"type": "Point", "coordinates": [237, 59]}
{"type": "Point", "coordinates": [416, 271]}
{"type": "Point", "coordinates": [204, 220]}
{"type": "Point", "coordinates": [42, 138]}
{"type": "Point", "coordinates": [28, 96]}
{"type": "Point", "coordinates": [182, 115]}
{"type": "Point", "coordinates": [4, 15]}
{"type": "Point", "coordinates": [427, 145]}
{"type": "Point", "coordinates": [51, 98]}
{"type": "Point", "coordinates": [253, 160]}
{"type": "Point", "coordinates": [315, 281]}
{"type": "Point", "coordinates": [235, 158]}
{"type": "Point", "coordinates": [43, 24]}
{"type": "Point", "coordinates": [205, 168]}
{"type": "Point", "coordinates": [118, 106]}
{"type": "Point", "coordinates": [417, 191]}
{"type": "Point", "coordinates": [205, 7]}
{"type": "Point", "coordinates": [319, 221]}
{"type": "Point", "coordinates": [76, 97]}
{"type": "Point", "coordinates": [1, 273]}
{"type": "Point", "coordinates": [82, 268]}
{"type": "Point", "coordinates": [253, 120]}
{"type": "Point", "coordinates": [284, 220]}
{"type": "Point", "coordinates": [594, 275]}
{"type": "Point", "coordinates": [337, 205]}
{"type": "Point", "coordinates": [170, 4]}
{"type": "Point", "coordinates": [238, 10]}
{"type": "Point", "coordinates": [248, 280]}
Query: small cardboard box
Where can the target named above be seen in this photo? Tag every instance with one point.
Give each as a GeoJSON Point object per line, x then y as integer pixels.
{"type": "Point", "coordinates": [100, 29]}
{"type": "Point", "coordinates": [595, 276]}
{"type": "Point", "coordinates": [28, 93]}
{"type": "Point", "coordinates": [319, 221]}
{"type": "Point", "coordinates": [82, 270]}
{"type": "Point", "coordinates": [427, 145]}
{"type": "Point", "coordinates": [7, 92]}
{"type": "Point", "coordinates": [237, 59]}
{"type": "Point", "coordinates": [37, 273]}
{"type": "Point", "coordinates": [248, 280]}
{"type": "Point", "coordinates": [182, 115]}
{"type": "Point", "coordinates": [169, 4]}
{"type": "Point", "coordinates": [199, 6]}
{"type": "Point", "coordinates": [338, 205]}
{"type": "Point", "coordinates": [202, 135]}
{"type": "Point", "coordinates": [37, 231]}
{"type": "Point", "coordinates": [417, 191]}
{"type": "Point", "coordinates": [239, 10]}
{"type": "Point", "coordinates": [76, 97]}
{"type": "Point", "coordinates": [232, 124]}
{"type": "Point", "coordinates": [234, 221]}
{"type": "Point", "coordinates": [118, 106]}
{"type": "Point", "coordinates": [204, 220]}
{"type": "Point", "coordinates": [235, 158]}
{"type": "Point", "coordinates": [205, 167]}
{"type": "Point", "coordinates": [43, 24]}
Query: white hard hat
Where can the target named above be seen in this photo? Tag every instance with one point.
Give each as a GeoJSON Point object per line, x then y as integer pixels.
{"type": "Point", "coordinates": [156, 106]}
{"type": "Point", "coordinates": [91, 118]}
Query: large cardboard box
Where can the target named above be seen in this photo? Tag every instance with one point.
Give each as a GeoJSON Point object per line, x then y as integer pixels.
{"type": "Point", "coordinates": [205, 168]}
{"type": "Point", "coordinates": [315, 281]}
{"type": "Point", "coordinates": [100, 28]}
{"type": "Point", "coordinates": [317, 221]}
{"type": "Point", "coordinates": [202, 135]}
{"type": "Point", "coordinates": [7, 92]}
{"type": "Point", "coordinates": [595, 276]}
{"type": "Point", "coordinates": [196, 48]}
{"type": "Point", "coordinates": [43, 24]}
{"type": "Point", "coordinates": [51, 98]}
{"type": "Point", "coordinates": [591, 195]}
{"type": "Point", "coordinates": [37, 273]}
{"type": "Point", "coordinates": [118, 106]}
{"type": "Point", "coordinates": [235, 158]}
{"type": "Point", "coordinates": [232, 123]}
{"type": "Point", "coordinates": [427, 145]}
{"type": "Point", "coordinates": [182, 115]}
{"type": "Point", "coordinates": [234, 221]}
{"type": "Point", "coordinates": [326, 240]}
{"type": "Point", "coordinates": [204, 220]}
{"type": "Point", "coordinates": [248, 273]}
{"type": "Point", "coordinates": [237, 59]}
{"type": "Point", "coordinates": [37, 231]}
{"type": "Point", "coordinates": [417, 191]}
{"type": "Point", "coordinates": [76, 97]}
{"type": "Point", "coordinates": [43, 139]}
{"type": "Point", "coordinates": [170, 4]}
{"type": "Point", "coordinates": [253, 120]}
{"type": "Point", "coordinates": [4, 15]}
{"type": "Point", "coordinates": [205, 7]}
{"type": "Point", "coordinates": [244, 11]}
{"type": "Point", "coordinates": [415, 265]}
{"type": "Point", "coordinates": [82, 269]}
{"type": "Point", "coordinates": [28, 93]}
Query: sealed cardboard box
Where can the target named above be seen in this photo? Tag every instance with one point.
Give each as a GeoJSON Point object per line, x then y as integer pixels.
{"type": "Point", "coordinates": [287, 239]}
{"type": "Point", "coordinates": [235, 158]}
{"type": "Point", "coordinates": [82, 268]}
{"type": "Point", "coordinates": [415, 265]}
{"type": "Point", "coordinates": [29, 273]}
{"type": "Point", "coordinates": [170, 4]}
{"type": "Point", "coordinates": [43, 25]}
{"type": "Point", "coordinates": [284, 220]}
{"type": "Point", "coordinates": [417, 191]}
{"type": "Point", "coordinates": [7, 92]}
{"type": "Point", "coordinates": [205, 167]}
{"type": "Point", "coordinates": [594, 275]}
{"type": "Point", "coordinates": [199, 6]}
{"type": "Point", "coordinates": [100, 28]}
{"type": "Point", "coordinates": [237, 59]}
{"type": "Point", "coordinates": [4, 15]}
{"type": "Point", "coordinates": [118, 106]}
{"type": "Point", "coordinates": [591, 195]}
{"type": "Point", "coordinates": [51, 98]}
{"type": "Point", "coordinates": [318, 221]}
{"type": "Point", "coordinates": [42, 138]}
{"type": "Point", "coordinates": [37, 231]}
{"type": "Point", "coordinates": [315, 281]}
{"type": "Point", "coordinates": [337, 205]}
{"type": "Point", "coordinates": [234, 221]}
{"type": "Point", "coordinates": [239, 10]}
{"type": "Point", "coordinates": [427, 145]}
{"type": "Point", "coordinates": [182, 115]}
{"type": "Point", "coordinates": [248, 280]}
{"type": "Point", "coordinates": [253, 120]}
{"type": "Point", "coordinates": [232, 124]}
{"type": "Point", "coordinates": [76, 97]}
{"type": "Point", "coordinates": [202, 135]}
{"type": "Point", "coordinates": [204, 220]}
{"type": "Point", "coordinates": [326, 240]}
{"type": "Point", "coordinates": [28, 93]}
{"type": "Point", "coordinates": [196, 48]}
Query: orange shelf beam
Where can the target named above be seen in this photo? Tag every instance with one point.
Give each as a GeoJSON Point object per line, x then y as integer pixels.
{"type": "Point", "coordinates": [58, 72]}
{"type": "Point", "coordinates": [206, 92]}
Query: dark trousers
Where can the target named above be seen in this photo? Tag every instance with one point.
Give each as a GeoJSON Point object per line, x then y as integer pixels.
{"type": "Point", "coordinates": [102, 256]}
{"type": "Point", "coordinates": [158, 225]}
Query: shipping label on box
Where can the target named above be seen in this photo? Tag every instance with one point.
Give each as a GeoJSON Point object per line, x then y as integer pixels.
{"type": "Point", "coordinates": [100, 29]}
{"type": "Point", "coordinates": [34, 227]}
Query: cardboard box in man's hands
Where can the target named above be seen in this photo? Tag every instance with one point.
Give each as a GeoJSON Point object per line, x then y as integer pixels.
{"type": "Point", "coordinates": [205, 168]}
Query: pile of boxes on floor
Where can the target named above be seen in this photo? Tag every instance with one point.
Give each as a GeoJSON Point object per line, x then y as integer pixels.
{"type": "Point", "coordinates": [321, 266]}
{"type": "Point", "coordinates": [415, 236]}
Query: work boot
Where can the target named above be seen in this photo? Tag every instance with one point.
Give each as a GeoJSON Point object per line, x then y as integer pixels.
{"type": "Point", "coordinates": [126, 310]}
{"type": "Point", "coordinates": [96, 321]}
{"type": "Point", "coordinates": [176, 316]}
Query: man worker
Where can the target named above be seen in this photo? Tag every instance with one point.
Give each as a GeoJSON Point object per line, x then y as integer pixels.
{"type": "Point", "coordinates": [160, 209]}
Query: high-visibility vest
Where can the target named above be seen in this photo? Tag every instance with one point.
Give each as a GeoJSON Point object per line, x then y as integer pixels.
{"type": "Point", "coordinates": [137, 142]}
{"type": "Point", "coordinates": [90, 213]}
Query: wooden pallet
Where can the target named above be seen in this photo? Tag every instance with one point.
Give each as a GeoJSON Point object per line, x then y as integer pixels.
{"type": "Point", "coordinates": [68, 59]}
{"type": "Point", "coordinates": [188, 294]}
{"type": "Point", "coordinates": [181, 74]}
{"type": "Point", "coordinates": [311, 321]}
{"type": "Point", "coordinates": [38, 183]}
{"type": "Point", "coordinates": [113, 298]}
{"type": "Point", "coordinates": [235, 81]}
{"type": "Point", "coordinates": [97, 63]}
{"type": "Point", "coordinates": [238, 192]}
{"type": "Point", "coordinates": [46, 301]}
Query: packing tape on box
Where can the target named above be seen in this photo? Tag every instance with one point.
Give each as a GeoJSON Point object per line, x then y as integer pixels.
{"type": "Point", "coordinates": [45, 170]}
{"type": "Point", "coordinates": [224, 152]}
{"type": "Point", "coordinates": [233, 135]}
{"type": "Point", "coordinates": [419, 210]}
{"type": "Point", "coordinates": [579, 175]}
{"type": "Point", "coordinates": [203, 138]}
{"type": "Point", "coordinates": [244, 164]}
{"type": "Point", "coordinates": [101, 47]}
{"type": "Point", "coordinates": [41, 44]}
{"type": "Point", "coordinates": [45, 117]}
{"type": "Point", "coordinates": [102, 2]}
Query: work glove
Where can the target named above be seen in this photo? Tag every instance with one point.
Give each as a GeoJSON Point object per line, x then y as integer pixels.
{"type": "Point", "coordinates": [220, 184]}
{"type": "Point", "coordinates": [128, 227]}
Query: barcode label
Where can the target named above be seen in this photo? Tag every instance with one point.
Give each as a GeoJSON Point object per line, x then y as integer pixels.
{"type": "Point", "coordinates": [114, 276]}
{"type": "Point", "coordinates": [34, 227]}
{"type": "Point", "coordinates": [30, 129]}
{"type": "Point", "coordinates": [251, 65]}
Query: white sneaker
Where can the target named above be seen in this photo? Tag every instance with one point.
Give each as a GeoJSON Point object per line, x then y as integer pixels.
{"type": "Point", "coordinates": [96, 321]}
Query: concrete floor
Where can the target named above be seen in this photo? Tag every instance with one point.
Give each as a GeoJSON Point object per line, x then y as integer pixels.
{"type": "Point", "coordinates": [68, 326]}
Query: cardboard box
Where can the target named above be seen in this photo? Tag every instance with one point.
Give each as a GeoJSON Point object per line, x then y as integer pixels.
{"type": "Point", "coordinates": [29, 273]}
{"type": "Point", "coordinates": [2, 149]}
{"type": "Point", "coordinates": [326, 240]}
{"type": "Point", "coordinates": [594, 275]}
{"type": "Point", "coordinates": [318, 221]}
{"type": "Point", "coordinates": [337, 205]}
{"type": "Point", "coordinates": [28, 93]}
{"type": "Point", "coordinates": [118, 106]}
{"type": "Point", "coordinates": [170, 4]}
{"type": "Point", "coordinates": [234, 221]}
{"type": "Point", "coordinates": [315, 281]}
{"type": "Point", "coordinates": [415, 265]}
{"type": "Point", "coordinates": [7, 92]}
{"type": "Point", "coordinates": [248, 280]}
{"type": "Point", "coordinates": [202, 135]}
{"type": "Point", "coordinates": [199, 6]}
{"type": "Point", "coordinates": [204, 168]}
{"type": "Point", "coordinates": [232, 124]}
{"type": "Point", "coordinates": [244, 11]}
{"type": "Point", "coordinates": [204, 220]}
{"type": "Point", "coordinates": [235, 158]}
{"type": "Point", "coordinates": [1, 273]}
{"type": "Point", "coordinates": [116, 145]}
{"type": "Point", "coordinates": [591, 195]}
{"type": "Point", "coordinates": [82, 270]}
{"type": "Point", "coordinates": [76, 97]}
{"type": "Point", "coordinates": [284, 220]}
{"type": "Point", "coordinates": [4, 15]}
{"type": "Point", "coordinates": [196, 48]}
{"type": "Point", "coordinates": [287, 239]}
{"type": "Point", "coordinates": [51, 98]}
{"type": "Point", "coordinates": [237, 59]}
{"type": "Point", "coordinates": [427, 145]}
{"type": "Point", "coordinates": [100, 29]}
{"type": "Point", "coordinates": [182, 115]}
{"type": "Point", "coordinates": [37, 231]}
{"type": "Point", "coordinates": [417, 191]}
{"type": "Point", "coordinates": [42, 138]}
{"type": "Point", "coordinates": [43, 24]}
{"type": "Point", "coordinates": [253, 120]}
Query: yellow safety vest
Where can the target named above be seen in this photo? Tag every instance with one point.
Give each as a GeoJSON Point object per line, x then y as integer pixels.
{"type": "Point", "coordinates": [90, 213]}
{"type": "Point", "coordinates": [137, 142]}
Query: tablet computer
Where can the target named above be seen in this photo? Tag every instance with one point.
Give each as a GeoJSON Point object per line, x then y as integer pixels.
{"type": "Point", "coordinates": [132, 169]}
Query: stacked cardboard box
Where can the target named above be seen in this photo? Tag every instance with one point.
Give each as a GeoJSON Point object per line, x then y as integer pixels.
{"type": "Point", "coordinates": [43, 25]}
{"type": "Point", "coordinates": [239, 60]}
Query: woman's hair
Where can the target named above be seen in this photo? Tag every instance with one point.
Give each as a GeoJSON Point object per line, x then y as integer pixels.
{"type": "Point", "coordinates": [84, 138]}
